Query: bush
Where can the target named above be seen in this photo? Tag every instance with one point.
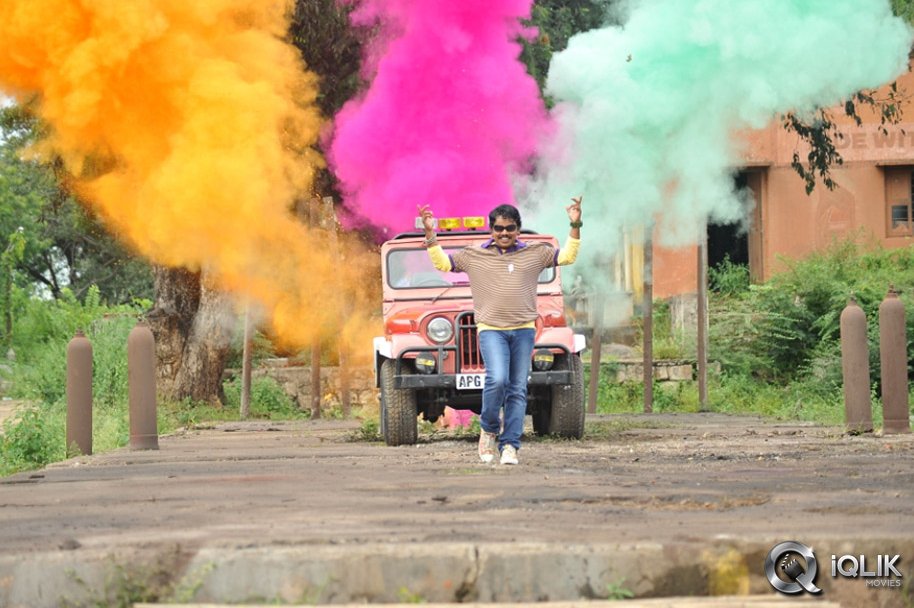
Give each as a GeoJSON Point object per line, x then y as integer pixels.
{"type": "Point", "coordinates": [43, 330]}
{"type": "Point", "coordinates": [666, 343]}
{"type": "Point", "coordinates": [728, 279]}
{"type": "Point", "coordinates": [779, 343]}
{"type": "Point", "coordinates": [789, 328]}
{"type": "Point", "coordinates": [32, 439]}
{"type": "Point", "coordinates": [268, 399]}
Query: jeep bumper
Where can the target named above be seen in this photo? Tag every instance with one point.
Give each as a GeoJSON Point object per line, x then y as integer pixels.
{"type": "Point", "coordinates": [449, 381]}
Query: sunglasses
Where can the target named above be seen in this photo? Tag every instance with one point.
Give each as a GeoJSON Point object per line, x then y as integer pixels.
{"type": "Point", "coordinates": [508, 228]}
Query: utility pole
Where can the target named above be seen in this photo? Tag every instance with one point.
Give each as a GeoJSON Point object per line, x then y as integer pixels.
{"type": "Point", "coordinates": [333, 228]}
{"type": "Point", "coordinates": [246, 356]}
{"type": "Point", "coordinates": [702, 319]}
{"type": "Point", "coordinates": [647, 307]}
{"type": "Point", "coordinates": [596, 304]}
{"type": "Point", "coordinates": [314, 222]}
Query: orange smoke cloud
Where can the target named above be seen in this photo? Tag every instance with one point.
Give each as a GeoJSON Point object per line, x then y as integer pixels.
{"type": "Point", "coordinates": [188, 125]}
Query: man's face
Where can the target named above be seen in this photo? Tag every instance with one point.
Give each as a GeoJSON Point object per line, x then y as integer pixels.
{"type": "Point", "coordinates": [504, 231]}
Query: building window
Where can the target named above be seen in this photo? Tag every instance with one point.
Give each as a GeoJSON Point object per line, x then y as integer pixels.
{"type": "Point", "coordinates": [899, 191]}
{"type": "Point", "coordinates": [901, 217]}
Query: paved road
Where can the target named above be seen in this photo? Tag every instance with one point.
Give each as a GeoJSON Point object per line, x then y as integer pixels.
{"type": "Point", "coordinates": [657, 505]}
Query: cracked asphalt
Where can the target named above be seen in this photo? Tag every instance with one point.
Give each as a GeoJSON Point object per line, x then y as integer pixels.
{"type": "Point", "coordinates": [679, 484]}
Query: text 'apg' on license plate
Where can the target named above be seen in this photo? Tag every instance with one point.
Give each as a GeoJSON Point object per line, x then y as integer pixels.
{"type": "Point", "coordinates": [470, 381]}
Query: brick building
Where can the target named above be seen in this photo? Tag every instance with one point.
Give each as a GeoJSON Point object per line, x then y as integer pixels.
{"type": "Point", "coordinates": [872, 201]}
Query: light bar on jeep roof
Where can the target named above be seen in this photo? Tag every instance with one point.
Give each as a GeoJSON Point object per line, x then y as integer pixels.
{"type": "Point", "coordinates": [471, 222]}
{"type": "Point", "coordinates": [449, 223]}
{"type": "Point", "coordinates": [420, 226]}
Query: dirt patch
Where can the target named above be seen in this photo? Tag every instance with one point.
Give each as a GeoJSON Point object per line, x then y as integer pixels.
{"type": "Point", "coordinates": [677, 489]}
{"type": "Point", "coordinates": [657, 477]}
{"type": "Point", "coordinates": [7, 409]}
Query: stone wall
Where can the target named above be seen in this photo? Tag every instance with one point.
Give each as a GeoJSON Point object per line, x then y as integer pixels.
{"type": "Point", "coordinates": [630, 370]}
{"type": "Point", "coordinates": [296, 381]}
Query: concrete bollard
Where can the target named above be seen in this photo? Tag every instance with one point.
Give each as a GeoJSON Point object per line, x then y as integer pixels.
{"type": "Point", "coordinates": [79, 395]}
{"type": "Point", "coordinates": [855, 365]}
{"type": "Point", "coordinates": [893, 358]}
{"type": "Point", "coordinates": [142, 388]}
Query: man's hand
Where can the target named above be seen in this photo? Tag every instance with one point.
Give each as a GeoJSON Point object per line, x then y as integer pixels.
{"type": "Point", "coordinates": [428, 219]}
{"type": "Point", "coordinates": [574, 209]}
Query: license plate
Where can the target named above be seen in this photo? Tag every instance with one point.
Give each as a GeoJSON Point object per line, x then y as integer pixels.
{"type": "Point", "coordinates": [470, 381]}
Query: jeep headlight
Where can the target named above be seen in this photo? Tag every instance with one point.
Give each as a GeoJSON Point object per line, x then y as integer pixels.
{"type": "Point", "coordinates": [440, 330]}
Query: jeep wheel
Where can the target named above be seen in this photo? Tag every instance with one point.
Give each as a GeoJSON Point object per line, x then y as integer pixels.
{"type": "Point", "coordinates": [566, 417]}
{"type": "Point", "coordinates": [398, 409]}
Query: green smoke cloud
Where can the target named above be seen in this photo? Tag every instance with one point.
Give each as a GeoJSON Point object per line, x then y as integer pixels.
{"type": "Point", "coordinates": [647, 111]}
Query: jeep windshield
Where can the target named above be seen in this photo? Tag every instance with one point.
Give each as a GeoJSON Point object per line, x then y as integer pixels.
{"type": "Point", "coordinates": [412, 268]}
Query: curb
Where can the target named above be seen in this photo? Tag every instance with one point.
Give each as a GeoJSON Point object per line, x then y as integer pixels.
{"type": "Point", "coordinates": [443, 573]}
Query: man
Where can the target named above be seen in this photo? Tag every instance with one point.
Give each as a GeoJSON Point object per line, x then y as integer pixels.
{"type": "Point", "coordinates": [503, 274]}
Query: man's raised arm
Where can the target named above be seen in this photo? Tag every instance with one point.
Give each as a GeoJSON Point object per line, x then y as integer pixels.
{"type": "Point", "coordinates": [440, 259]}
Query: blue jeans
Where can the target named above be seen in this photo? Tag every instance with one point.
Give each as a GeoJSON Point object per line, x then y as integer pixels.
{"type": "Point", "coordinates": [506, 354]}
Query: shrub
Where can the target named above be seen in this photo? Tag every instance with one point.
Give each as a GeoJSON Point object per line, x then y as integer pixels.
{"type": "Point", "coordinates": [789, 327]}
{"type": "Point", "coordinates": [32, 439]}
{"type": "Point", "coordinates": [728, 279]}
{"type": "Point", "coordinates": [36, 436]}
{"type": "Point", "coordinates": [45, 328]}
{"type": "Point", "coordinates": [268, 399]}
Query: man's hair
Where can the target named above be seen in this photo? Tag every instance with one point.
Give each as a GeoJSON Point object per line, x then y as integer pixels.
{"type": "Point", "coordinates": [506, 211]}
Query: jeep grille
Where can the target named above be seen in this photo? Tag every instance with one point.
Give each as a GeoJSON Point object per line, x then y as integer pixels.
{"type": "Point", "coordinates": [468, 344]}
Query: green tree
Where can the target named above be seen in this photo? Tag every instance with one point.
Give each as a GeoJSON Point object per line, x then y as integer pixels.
{"type": "Point", "coordinates": [64, 245]}
{"type": "Point", "coordinates": [332, 49]}
{"type": "Point", "coordinates": [820, 131]}
{"type": "Point", "coordinates": [904, 9]}
{"type": "Point", "coordinates": [556, 22]}
{"type": "Point", "coordinates": [8, 260]}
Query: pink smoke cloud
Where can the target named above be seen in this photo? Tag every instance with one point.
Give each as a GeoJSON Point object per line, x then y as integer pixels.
{"type": "Point", "coordinates": [451, 113]}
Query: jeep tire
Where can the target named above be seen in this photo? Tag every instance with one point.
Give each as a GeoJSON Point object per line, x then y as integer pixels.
{"type": "Point", "coordinates": [566, 416]}
{"type": "Point", "coordinates": [398, 409]}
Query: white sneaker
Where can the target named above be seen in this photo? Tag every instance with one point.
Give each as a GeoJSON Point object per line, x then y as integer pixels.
{"type": "Point", "coordinates": [509, 455]}
{"type": "Point", "coordinates": [488, 446]}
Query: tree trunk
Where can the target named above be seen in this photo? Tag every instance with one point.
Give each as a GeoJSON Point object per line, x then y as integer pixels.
{"type": "Point", "coordinates": [193, 326]}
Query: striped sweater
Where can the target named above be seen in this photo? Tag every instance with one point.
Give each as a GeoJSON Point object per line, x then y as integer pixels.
{"type": "Point", "coordinates": [503, 284]}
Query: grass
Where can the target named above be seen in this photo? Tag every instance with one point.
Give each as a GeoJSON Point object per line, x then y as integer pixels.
{"type": "Point", "coordinates": [35, 435]}
{"type": "Point", "coordinates": [804, 399]}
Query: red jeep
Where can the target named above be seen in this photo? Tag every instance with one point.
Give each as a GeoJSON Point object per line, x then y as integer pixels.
{"type": "Point", "coordinates": [429, 356]}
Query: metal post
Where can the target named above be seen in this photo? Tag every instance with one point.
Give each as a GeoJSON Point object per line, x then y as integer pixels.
{"type": "Point", "coordinates": [703, 320]}
{"type": "Point", "coordinates": [893, 358]}
{"type": "Point", "coordinates": [142, 388]}
{"type": "Point", "coordinates": [79, 395]}
{"type": "Point", "coordinates": [343, 346]}
{"type": "Point", "coordinates": [345, 381]}
{"type": "Point", "coordinates": [596, 349]}
{"type": "Point", "coordinates": [855, 365]}
{"type": "Point", "coordinates": [314, 221]}
{"type": "Point", "coordinates": [648, 315]}
{"type": "Point", "coordinates": [246, 355]}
